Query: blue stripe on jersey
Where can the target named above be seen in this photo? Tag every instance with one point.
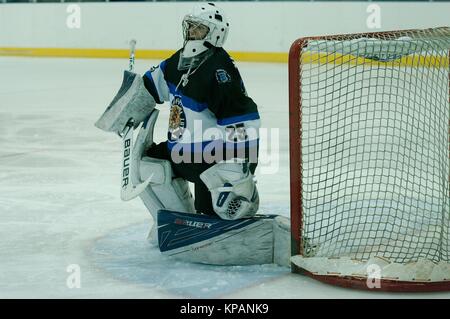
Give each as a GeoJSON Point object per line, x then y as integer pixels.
{"type": "Point", "coordinates": [152, 87]}
{"type": "Point", "coordinates": [162, 65]}
{"type": "Point", "coordinates": [187, 101]}
{"type": "Point", "coordinates": [238, 119]}
{"type": "Point", "coordinates": [200, 146]}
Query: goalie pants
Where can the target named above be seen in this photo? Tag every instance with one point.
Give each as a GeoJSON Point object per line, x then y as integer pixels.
{"type": "Point", "coordinates": [190, 172]}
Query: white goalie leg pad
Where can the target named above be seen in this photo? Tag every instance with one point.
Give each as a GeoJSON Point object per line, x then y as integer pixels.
{"type": "Point", "coordinates": [173, 194]}
{"type": "Point", "coordinates": [152, 179]}
{"type": "Point", "coordinates": [163, 192]}
{"type": "Point", "coordinates": [233, 189]}
{"type": "Point", "coordinates": [133, 101]}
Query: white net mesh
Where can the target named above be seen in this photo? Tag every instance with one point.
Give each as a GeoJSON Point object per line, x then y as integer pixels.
{"type": "Point", "coordinates": [375, 147]}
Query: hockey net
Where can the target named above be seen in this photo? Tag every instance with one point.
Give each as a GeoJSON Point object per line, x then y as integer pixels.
{"type": "Point", "coordinates": [369, 157]}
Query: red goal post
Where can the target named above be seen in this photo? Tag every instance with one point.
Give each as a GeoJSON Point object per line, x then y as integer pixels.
{"type": "Point", "coordinates": [369, 159]}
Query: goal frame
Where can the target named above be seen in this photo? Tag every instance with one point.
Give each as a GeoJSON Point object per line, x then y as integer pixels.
{"type": "Point", "coordinates": [295, 150]}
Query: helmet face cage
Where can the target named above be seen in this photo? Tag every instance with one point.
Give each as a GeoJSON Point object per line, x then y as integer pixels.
{"type": "Point", "coordinates": [194, 29]}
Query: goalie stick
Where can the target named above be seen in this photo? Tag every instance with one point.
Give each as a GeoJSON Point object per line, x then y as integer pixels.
{"type": "Point", "coordinates": [132, 51]}
{"type": "Point", "coordinates": [129, 189]}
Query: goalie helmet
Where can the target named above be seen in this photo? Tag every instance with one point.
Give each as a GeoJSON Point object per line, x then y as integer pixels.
{"type": "Point", "coordinates": [205, 27]}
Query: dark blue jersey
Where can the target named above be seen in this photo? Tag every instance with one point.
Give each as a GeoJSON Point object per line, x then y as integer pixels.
{"type": "Point", "coordinates": [211, 107]}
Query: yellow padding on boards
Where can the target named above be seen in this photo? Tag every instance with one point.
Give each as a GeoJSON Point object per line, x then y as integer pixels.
{"type": "Point", "coordinates": [84, 53]}
{"type": "Point", "coordinates": [279, 57]}
{"type": "Point", "coordinates": [140, 54]}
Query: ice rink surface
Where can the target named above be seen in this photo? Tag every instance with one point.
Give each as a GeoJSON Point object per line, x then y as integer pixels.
{"type": "Point", "coordinates": [60, 192]}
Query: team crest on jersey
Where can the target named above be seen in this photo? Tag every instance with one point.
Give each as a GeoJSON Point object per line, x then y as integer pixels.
{"type": "Point", "coordinates": [177, 119]}
{"type": "Point", "coordinates": [222, 76]}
